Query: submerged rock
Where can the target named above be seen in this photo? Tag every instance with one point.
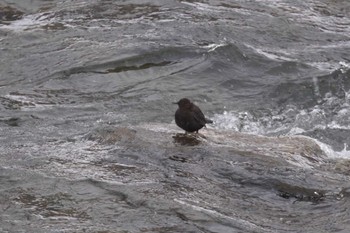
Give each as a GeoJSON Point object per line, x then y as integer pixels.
{"type": "Point", "coordinates": [8, 13]}
{"type": "Point", "coordinates": [298, 150]}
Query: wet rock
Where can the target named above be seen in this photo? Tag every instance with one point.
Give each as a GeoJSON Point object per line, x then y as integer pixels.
{"type": "Point", "coordinates": [112, 135]}
{"type": "Point", "coordinates": [300, 193]}
{"type": "Point", "coordinates": [186, 139]}
{"type": "Point", "coordinates": [13, 121]}
{"type": "Point", "coordinates": [8, 13]}
{"type": "Point", "coordinates": [297, 150]}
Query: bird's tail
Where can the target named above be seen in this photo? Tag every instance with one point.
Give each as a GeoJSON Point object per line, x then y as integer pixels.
{"type": "Point", "coordinates": [208, 121]}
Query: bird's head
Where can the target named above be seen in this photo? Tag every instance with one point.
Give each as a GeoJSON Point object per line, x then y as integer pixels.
{"type": "Point", "coordinates": [184, 103]}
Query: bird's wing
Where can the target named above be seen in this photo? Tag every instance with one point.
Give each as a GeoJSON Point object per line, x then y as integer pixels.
{"type": "Point", "coordinates": [198, 115]}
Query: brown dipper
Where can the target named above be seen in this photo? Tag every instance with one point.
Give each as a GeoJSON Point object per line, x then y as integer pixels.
{"type": "Point", "coordinates": [189, 117]}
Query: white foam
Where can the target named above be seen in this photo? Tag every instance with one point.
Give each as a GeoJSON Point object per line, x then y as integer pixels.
{"type": "Point", "coordinates": [28, 22]}
{"type": "Point", "coordinates": [213, 47]}
{"type": "Point", "coordinates": [25, 103]}
{"type": "Point", "coordinates": [243, 222]}
{"type": "Point", "coordinates": [19, 98]}
{"type": "Point", "coordinates": [344, 154]}
{"type": "Point", "coordinates": [273, 53]}
{"type": "Point", "coordinates": [302, 122]}
{"type": "Point", "coordinates": [226, 120]}
{"type": "Point", "coordinates": [344, 67]}
{"type": "Point", "coordinates": [205, 7]}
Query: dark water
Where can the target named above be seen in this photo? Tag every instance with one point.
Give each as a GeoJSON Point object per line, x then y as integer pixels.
{"type": "Point", "coordinates": [87, 137]}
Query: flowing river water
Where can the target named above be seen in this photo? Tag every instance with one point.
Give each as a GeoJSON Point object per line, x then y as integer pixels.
{"type": "Point", "coordinates": [88, 141]}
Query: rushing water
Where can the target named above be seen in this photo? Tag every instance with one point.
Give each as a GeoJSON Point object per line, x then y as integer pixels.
{"type": "Point", "coordinates": [88, 139]}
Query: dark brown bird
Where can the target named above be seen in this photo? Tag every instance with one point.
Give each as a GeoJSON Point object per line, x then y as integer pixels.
{"type": "Point", "coordinates": [189, 117]}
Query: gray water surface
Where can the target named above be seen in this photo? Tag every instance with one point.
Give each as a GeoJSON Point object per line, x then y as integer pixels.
{"type": "Point", "coordinates": [88, 141]}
